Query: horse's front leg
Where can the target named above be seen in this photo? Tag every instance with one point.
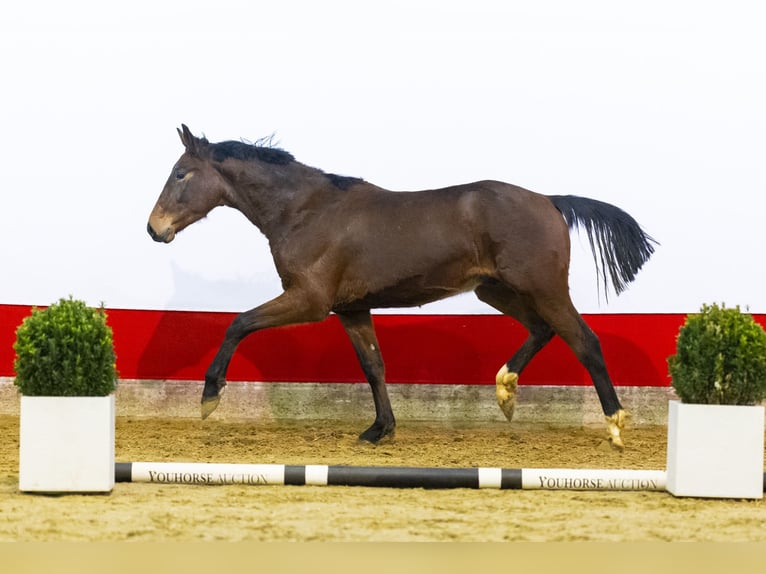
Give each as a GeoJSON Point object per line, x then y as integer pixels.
{"type": "Point", "coordinates": [215, 377]}
{"type": "Point", "coordinates": [360, 330]}
{"type": "Point", "coordinates": [289, 308]}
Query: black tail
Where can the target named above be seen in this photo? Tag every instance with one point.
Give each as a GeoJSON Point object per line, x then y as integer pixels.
{"type": "Point", "coordinates": [617, 241]}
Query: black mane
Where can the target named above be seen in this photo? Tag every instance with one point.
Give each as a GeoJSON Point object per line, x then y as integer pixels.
{"type": "Point", "coordinates": [245, 151]}
{"type": "Point", "coordinates": [269, 154]}
{"type": "Point", "coordinates": [343, 182]}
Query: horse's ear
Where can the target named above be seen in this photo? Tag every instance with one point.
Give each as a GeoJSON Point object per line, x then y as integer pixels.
{"type": "Point", "coordinates": [193, 145]}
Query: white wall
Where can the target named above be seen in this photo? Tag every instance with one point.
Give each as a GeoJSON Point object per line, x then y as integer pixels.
{"type": "Point", "coordinates": [654, 106]}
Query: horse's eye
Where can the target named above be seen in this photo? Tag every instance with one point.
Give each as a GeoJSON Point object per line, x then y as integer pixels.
{"type": "Point", "coordinates": [180, 174]}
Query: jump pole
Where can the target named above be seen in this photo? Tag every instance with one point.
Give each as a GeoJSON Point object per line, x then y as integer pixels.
{"type": "Point", "coordinates": [391, 477]}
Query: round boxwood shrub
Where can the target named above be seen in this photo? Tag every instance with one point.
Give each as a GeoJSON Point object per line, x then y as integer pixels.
{"type": "Point", "coordinates": [720, 358]}
{"type": "Point", "coordinates": [65, 350]}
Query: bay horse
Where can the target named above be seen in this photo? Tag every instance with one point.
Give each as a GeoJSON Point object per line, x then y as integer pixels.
{"type": "Point", "coordinates": [345, 246]}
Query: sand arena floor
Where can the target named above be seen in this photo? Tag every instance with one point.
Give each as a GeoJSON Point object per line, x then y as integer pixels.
{"type": "Point", "coordinates": [160, 513]}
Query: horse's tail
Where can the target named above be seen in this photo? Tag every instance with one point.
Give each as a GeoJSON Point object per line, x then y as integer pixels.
{"type": "Point", "coordinates": [618, 243]}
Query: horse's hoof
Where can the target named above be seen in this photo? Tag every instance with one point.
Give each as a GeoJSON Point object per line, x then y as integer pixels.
{"type": "Point", "coordinates": [614, 425]}
{"type": "Point", "coordinates": [505, 391]}
{"type": "Point", "coordinates": [209, 404]}
{"type": "Point", "coordinates": [375, 434]}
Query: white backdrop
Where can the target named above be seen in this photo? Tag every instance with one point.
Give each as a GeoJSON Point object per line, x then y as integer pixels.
{"type": "Point", "coordinates": [657, 107]}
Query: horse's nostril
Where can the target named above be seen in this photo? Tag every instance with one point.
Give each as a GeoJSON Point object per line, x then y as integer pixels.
{"type": "Point", "coordinates": [153, 234]}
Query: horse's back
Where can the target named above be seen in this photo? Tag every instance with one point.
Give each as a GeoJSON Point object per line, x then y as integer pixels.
{"type": "Point", "coordinates": [408, 248]}
{"type": "Point", "coordinates": [506, 213]}
{"type": "Point", "coordinates": [481, 200]}
{"type": "Point", "coordinates": [489, 212]}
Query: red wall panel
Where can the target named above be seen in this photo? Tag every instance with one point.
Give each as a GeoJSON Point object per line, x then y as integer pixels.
{"type": "Point", "coordinates": [451, 349]}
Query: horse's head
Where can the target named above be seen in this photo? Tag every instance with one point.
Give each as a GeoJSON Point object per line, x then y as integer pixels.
{"type": "Point", "coordinates": [193, 189]}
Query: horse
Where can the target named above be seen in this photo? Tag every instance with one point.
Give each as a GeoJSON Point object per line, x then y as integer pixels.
{"type": "Point", "coordinates": [345, 246]}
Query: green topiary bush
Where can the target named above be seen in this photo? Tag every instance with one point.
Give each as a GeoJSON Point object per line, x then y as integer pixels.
{"type": "Point", "coordinates": [720, 358]}
{"type": "Point", "coordinates": [65, 350]}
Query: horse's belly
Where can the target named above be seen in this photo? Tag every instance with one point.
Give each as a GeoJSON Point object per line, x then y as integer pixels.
{"type": "Point", "coordinates": [410, 292]}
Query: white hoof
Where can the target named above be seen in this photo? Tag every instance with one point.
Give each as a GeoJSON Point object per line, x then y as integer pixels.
{"type": "Point", "coordinates": [505, 391]}
{"type": "Point", "coordinates": [614, 425]}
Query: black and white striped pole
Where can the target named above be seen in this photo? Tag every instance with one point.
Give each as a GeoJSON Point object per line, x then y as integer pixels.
{"type": "Point", "coordinates": [392, 477]}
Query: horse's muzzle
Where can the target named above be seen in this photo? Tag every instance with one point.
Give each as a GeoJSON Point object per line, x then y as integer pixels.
{"type": "Point", "coordinates": [165, 237]}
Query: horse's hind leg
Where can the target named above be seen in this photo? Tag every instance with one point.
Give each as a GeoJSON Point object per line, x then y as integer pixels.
{"type": "Point", "coordinates": [570, 326]}
{"type": "Point", "coordinates": [507, 301]}
{"type": "Point", "coordinates": [360, 330]}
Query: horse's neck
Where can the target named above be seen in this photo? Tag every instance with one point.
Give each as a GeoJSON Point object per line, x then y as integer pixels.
{"type": "Point", "coordinates": [270, 196]}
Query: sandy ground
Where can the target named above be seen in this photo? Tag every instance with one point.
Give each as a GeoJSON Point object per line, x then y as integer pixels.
{"type": "Point", "coordinates": [160, 513]}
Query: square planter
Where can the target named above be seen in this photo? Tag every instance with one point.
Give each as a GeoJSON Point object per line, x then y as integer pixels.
{"type": "Point", "coordinates": [66, 444]}
{"type": "Point", "coordinates": [715, 451]}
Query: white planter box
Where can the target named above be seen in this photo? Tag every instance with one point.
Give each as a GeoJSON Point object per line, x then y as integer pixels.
{"type": "Point", "coordinates": [66, 444]}
{"type": "Point", "coordinates": [715, 451]}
